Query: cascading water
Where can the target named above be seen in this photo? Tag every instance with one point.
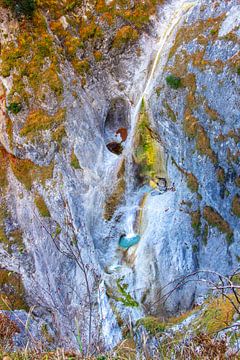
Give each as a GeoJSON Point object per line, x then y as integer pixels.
{"type": "Point", "coordinates": [136, 193]}
{"type": "Point", "coordinates": [173, 19]}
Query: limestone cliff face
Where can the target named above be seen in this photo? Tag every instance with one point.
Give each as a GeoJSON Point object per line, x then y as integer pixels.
{"type": "Point", "coordinates": [87, 122]}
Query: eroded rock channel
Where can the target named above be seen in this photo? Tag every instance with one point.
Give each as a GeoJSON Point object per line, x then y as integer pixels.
{"type": "Point", "coordinates": [119, 164]}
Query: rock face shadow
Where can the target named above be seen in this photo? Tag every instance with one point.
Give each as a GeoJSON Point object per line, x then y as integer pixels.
{"type": "Point", "coordinates": [116, 126]}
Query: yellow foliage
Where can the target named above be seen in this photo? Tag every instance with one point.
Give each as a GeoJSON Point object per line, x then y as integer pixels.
{"type": "Point", "coordinates": [41, 205]}
{"type": "Point", "coordinates": [218, 315]}
{"type": "Point", "coordinates": [125, 35]}
{"type": "Point", "coordinates": [147, 153]}
{"type": "Point", "coordinates": [27, 172]}
{"type": "Point", "coordinates": [214, 219]}
{"type": "Point", "coordinates": [12, 294]}
{"type": "Point", "coordinates": [39, 120]}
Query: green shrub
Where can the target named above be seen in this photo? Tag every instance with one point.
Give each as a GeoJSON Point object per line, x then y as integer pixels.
{"type": "Point", "coordinates": [152, 324]}
{"type": "Point", "coordinates": [214, 219]}
{"type": "Point", "coordinates": [42, 206]}
{"type": "Point", "coordinates": [14, 108]}
{"type": "Point", "coordinates": [74, 161]}
{"type": "Point", "coordinates": [21, 7]}
{"type": "Point", "coordinates": [173, 81]}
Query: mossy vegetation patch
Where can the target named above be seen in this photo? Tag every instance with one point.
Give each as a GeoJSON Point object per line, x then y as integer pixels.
{"type": "Point", "coordinates": [3, 168]}
{"type": "Point", "coordinates": [12, 293]}
{"type": "Point", "coordinates": [41, 206]}
{"type": "Point", "coordinates": [39, 120]}
{"type": "Point", "coordinates": [214, 219]}
{"type": "Point", "coordinates": [170, 112]}
{"type": "Point", "coordinates": [116, 196]}
{"type": "Point", "coordinates": [14, 108]}
{"type": "Point", "coordinates": [27, 172]}
{"type": "Point", "coordinates": [218, 315]}
{"type": "Point", "coordinates": [192, 182]}
{"type": "Point", "coordinates": [152, 324]}
{"type": "Point", "coordinates": [147, 151]}
{"type": "Point", "coordinates": [196, 222]}
{"type": "Point", "coordinates": [125, 35]}
{"type": "Point", "coordinates": [11, 240]}
{"type": "Point", "coordinates": [194, 130]}
{"type": "Point", "coordinates": [173, 82]}
{"type": "Point", "coordinates": [32, 57]}
{"type": "Point", "coordinates": [74, 161]}
{"type": "Point", "coordinates": [236, 205]}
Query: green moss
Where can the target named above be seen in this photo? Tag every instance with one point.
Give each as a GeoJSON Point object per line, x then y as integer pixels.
{"type": "Point", "coordinates": [14, 108]}
{"type": "Point", "coordinates": [81, 66]}
{"type": "Point", "coordinates": [190, 124]}
{"type": "Point", "coordinates": [41, 205]}
{"type": "Point", "coordinates": [74, 161]}
{"type": "Point", "coordinates": [12, 294]}
{"type": "Point", "coordinates": [170, 112]}
{"type": "Point", "coordinates": [214, 219]}
{"type": "Point", "coordinates": [173, 82]}
{"type": "Point", "coordinates": [192, 182]}
{"type": "Point", "coordinates": [196, 222]}
{"type": "Point", "coordinates": [59, 134]}
{"type": "Point", "coordinates": [98, 55]}
{"type": "Point", "coordinates": [236, 205]}
{"type": "Point", "coordinates": [152, 324]}
{"type": "Point", "coordinates": [203, 144]}
{"type": "Point", "coordinates": [221, 175]}
{"type": "Point", "coordinates": [90, 31]}
{"type": "Point", "coordinates": [125, 35]}
{"type": "Point", "coordinates": [46, 334]}
{"type": "Point", "coordinates": [3, 217]}
{"type": "Point", "coordinates": [147, 152]}
{"type": "Point", "coordinates": [27, 172]}
{"type": "Point", "coordinates": [32, 61]}
{"type": "Point", "coordinates": [39, 120]}
{"type": "Point", "coordinates": [218, 315]}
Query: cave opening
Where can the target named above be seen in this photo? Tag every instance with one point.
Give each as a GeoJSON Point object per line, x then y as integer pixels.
{"type": "Point", "coordinates": [116, 126]}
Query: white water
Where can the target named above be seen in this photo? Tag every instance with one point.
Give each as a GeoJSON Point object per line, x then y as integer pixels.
{"type": "Point", "coordinates": [173, 16]}
{"type": "Point", "coordinates": [173, 19]}
{"type": "Point", "coordinates": [129, 225]}
{"type": "Point", "coordinates": [181, 8]}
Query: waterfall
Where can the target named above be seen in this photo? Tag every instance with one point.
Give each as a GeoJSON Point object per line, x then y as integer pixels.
{"type": "Point", "coordinates": [173, 19]}
{"type": "Point", "coordinates": [136, 192]}
{"type": "Point", "coordinates": [171, 23]}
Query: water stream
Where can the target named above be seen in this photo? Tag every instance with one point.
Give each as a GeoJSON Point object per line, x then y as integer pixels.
{"type": "Point", "coordinates": [136, 195]}
{"type": "Point", "coordinates": [172, 21]}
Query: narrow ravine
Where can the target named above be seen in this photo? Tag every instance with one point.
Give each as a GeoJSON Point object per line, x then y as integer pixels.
{"type": "Point", "coordinates": [136, 194]}
{"type": "Point", "coordinates": [173, 21]}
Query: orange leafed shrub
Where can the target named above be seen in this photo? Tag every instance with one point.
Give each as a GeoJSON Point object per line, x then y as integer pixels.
{"type": "Point", "coordinates": [125, 35]}
{"type": "Point", "coordinates": [8, 329]}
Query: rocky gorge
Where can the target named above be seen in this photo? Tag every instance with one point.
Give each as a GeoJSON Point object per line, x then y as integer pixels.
{"type": "Point", "coordinates": [119, 159]}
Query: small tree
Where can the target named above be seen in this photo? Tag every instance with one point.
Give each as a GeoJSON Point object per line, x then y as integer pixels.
{"type": "Point", "coordinates": [68, 245]}
{"type": "Point", "coordinates": [173, 81]}
{"type": "Point", "coordinates": [21, 7]}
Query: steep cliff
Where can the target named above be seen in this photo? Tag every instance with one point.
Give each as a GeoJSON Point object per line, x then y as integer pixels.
{"type": "Point", "coordinates": [119, 150]}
